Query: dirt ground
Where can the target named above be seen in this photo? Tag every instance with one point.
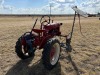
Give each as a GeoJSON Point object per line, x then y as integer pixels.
{"type": "Point", "coordinates": [83, 60]}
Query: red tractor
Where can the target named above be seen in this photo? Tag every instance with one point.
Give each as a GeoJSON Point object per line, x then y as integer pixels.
{"type": "Point", "coordinates": [43, 38]}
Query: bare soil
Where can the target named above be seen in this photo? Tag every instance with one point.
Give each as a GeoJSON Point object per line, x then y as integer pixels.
{"type": "Point", "coordinates": [83, 60]}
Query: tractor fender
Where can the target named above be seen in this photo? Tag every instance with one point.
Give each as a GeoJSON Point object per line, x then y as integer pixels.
{"type": "Point", "coordinates": [45, 39]}
{"type": "Point", "coordinates": [25, 37]}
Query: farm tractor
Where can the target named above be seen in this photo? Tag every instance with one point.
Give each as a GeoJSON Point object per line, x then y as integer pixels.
{"type": "Point", "coordinates": [45, 38]}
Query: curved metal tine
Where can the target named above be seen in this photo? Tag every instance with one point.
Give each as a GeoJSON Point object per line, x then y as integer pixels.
{"type": "Point", "coordinates": [80, 12]}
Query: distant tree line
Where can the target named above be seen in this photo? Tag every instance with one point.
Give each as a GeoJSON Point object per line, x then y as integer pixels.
{"type": "Point", "coordinates": [94, 15]}
{"type": "Point", "coordinates": [98, 13]}
{"type": "Point", "coordinates": [56, 15]}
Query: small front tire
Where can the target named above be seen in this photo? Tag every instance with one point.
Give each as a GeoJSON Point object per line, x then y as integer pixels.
{"type": "Point", "coordinates": [22, 50]}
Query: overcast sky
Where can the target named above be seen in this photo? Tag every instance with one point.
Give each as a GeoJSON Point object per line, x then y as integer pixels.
{"type": "Point", "coordinates": [43, 6]}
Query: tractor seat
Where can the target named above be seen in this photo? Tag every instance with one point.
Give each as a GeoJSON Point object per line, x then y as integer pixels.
{"type": "Point", "coordinates": [36, 32]}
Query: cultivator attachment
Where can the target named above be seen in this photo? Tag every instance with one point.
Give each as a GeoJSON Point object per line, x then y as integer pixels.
{"type": "Point", "coordinates": [67, 45]}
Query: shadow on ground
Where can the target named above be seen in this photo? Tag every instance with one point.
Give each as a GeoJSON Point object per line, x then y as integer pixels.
{"type": "Point", "coordinates": [22, 68]}
{"type": "Point", "coordinates": [73, 64]}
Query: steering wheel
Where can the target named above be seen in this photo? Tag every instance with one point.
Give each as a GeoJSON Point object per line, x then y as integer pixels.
{"type": "Point", "coordinates": [44, 20]}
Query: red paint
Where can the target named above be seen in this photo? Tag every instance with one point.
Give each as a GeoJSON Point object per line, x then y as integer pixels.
{"type": "Point", "coordinates": [52, 53]}
{"type": "Point", "coordinates": [23, 42]}
{"type": "Point", "coordinates": [48, 31]}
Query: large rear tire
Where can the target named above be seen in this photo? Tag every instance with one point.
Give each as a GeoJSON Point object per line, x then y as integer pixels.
{"type": "Point", "coordinates": [22, 51]}
{"type": "Point", "coordinates": [51, 53]}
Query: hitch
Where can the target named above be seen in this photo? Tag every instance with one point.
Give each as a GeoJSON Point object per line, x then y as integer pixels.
{"type": "Point", "coordinates": [68, 41]}
{"type": "Point", "coordinates": [67, 45]}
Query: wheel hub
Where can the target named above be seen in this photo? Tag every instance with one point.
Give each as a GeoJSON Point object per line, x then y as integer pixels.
{"type": "Point", "coordinates": [54, 54]}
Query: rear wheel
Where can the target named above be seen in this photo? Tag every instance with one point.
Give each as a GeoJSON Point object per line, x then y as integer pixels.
{"type": "Point", "coordinates": [22, 50]}
{"type": "Point", "coordinates": [51, 53]}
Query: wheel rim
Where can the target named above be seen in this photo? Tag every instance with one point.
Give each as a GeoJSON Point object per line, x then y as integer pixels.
{"type": "Point", "coordinates": [24, 50]}
{"type": "Point", "coordinates": [54, 53]}
{"type": "Point", "coordinates": [24, 47]}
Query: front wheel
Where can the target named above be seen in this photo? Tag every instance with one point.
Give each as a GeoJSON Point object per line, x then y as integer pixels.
{"type": "Point", "coordinates": [51, 53]}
